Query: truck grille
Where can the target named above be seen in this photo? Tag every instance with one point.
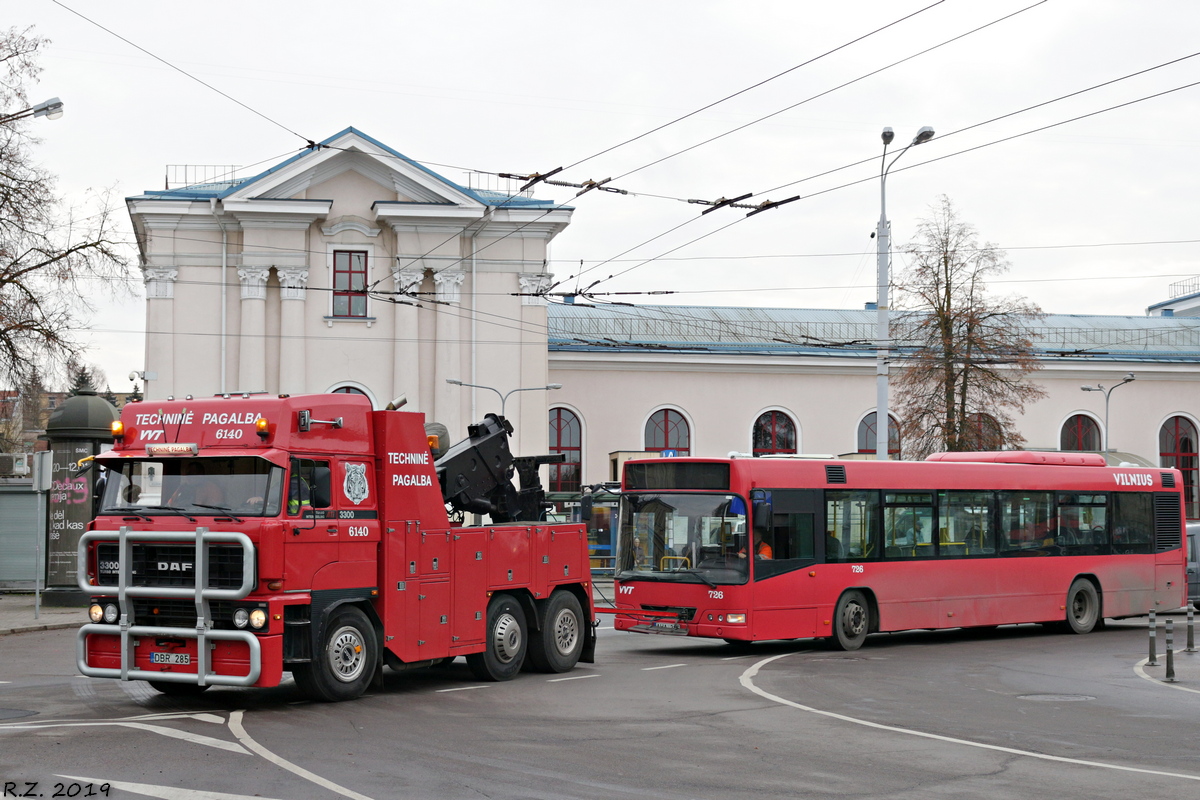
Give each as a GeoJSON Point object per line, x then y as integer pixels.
{"type": "Point", "coordinates": [173, 565]}
{"type": "Point", "coordinates": [174, 613]}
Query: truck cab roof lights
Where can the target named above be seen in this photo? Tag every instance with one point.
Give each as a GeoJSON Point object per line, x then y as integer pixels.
{"type": "Point", "coordinates": [262, 427]}
{"type": "Point", "coordinates": [118, 429]}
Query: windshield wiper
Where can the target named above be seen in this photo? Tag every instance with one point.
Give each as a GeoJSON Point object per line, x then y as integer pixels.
{"type": "Point", "coordinates": [177, 510]}
{"type": "Point", "coordinates": [226, 511]}
{"type": "Point", "coordinates": [699, 574]}
{"type": "Point", "coordinates": [125, 510]}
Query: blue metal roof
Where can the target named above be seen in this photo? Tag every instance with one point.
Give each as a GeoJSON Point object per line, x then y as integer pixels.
{"type": "Point", "coordinates": [222, 189]}
{"type": "Point", "coordinates": [844, 332]}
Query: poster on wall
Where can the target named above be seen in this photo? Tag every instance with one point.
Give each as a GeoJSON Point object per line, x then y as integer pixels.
{"type": "Point", "coordinates": [70, 510]}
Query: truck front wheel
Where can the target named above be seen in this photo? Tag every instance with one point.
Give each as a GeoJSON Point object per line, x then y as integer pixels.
{"type": "Point", "coordinates": [344, 664]}
{"type": "Point", "coordinates": [558, 645]}
{"type": "Point", "coordinates": [506, 642]}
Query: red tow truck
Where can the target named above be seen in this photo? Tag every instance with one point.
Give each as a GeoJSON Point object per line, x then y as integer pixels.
{"type": "Point", "coordinates": [242, 537]}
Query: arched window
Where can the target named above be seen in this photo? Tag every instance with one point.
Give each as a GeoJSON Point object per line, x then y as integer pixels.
{"type": "Point", "coordinates": [774, 432]}
{"type": "Point", "coordinates": [1177, 448]}
{"type": "Point", "coordinates": [566, 437]}
{"type": "Point", "coordinates": [668, 430]}
{"type": "Point", "coordinates": [1080, 432]}
{"type": "Point", "coordinates": [349, 390]}
{"type": "Point", "coordinates": [866, 435]}
{"type": "Point", "coordinates": [986, 433]}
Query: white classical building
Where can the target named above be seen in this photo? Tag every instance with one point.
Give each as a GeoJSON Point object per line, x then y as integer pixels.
{"type": "Point", "coordinates": [257, 284]}
{"type": "Point", "coordinates": [350, 267]}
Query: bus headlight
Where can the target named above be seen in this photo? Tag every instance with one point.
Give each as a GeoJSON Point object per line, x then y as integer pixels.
{"type": "Point", "coordinates": [258, 618]}
{"type": "Point", "coordinates": [95, 612]}
{"type": "Point", "coordinates": [241, 617]}
{"type": "Point", "coordinates": [111, 613]}
{"type": "Point", "coordinates": [736, 619]}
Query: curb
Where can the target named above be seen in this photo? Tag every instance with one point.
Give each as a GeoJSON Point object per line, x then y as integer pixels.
{"type": "Point", "coordinates": [49, 626]}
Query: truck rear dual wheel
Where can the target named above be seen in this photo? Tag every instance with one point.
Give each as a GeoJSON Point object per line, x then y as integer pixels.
{"type": "Point", "coordinates": [346, 661]}
{"type": "Point", "coordinates": [558, 645]}
{"type": "Point", "coordinates": [506, 643]}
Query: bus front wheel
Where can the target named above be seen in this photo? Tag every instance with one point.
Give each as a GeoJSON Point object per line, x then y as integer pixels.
{"type": "Point", "coordinates": [1083, 606]}
{"type": "Point", "coordinates": [851, 621]}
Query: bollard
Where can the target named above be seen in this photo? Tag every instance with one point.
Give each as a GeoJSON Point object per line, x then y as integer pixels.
{"type": "Point", "coordinates": [1170, 678]}
{"type": "Point", "coordinates": [1191, 633]}
{"type": "Point", "coordinates": [1153, 661]}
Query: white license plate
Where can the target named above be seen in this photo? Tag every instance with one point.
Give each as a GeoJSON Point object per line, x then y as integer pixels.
{"type": "Point", "coordinates": [666, 626]}
{"type": "Point", "coordinates": [170, 658]}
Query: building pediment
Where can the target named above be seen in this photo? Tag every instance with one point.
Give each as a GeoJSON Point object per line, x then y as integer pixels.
{"type": "Point", "coordinates": [398, 177]}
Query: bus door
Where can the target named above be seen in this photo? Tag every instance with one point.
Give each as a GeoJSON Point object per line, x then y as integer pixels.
{"type": "Point", "coordinates": [784, 596]}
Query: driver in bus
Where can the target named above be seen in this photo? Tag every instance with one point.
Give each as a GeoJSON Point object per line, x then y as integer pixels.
{"type": "Point", "coordinates": [761, 548]}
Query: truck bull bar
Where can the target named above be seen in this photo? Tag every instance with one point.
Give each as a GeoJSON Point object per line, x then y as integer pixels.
{"type": "Point", "coordinates": [203, 631]}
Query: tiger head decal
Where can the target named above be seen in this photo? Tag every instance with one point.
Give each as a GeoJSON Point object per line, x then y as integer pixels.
{"type": "Point", "coordinates": [355, 485]}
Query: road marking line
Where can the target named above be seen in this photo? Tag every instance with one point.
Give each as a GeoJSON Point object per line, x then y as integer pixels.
{"type": "Point", "coordinates": [163, 792]}
{"type": "Point", "coordinates": [747, 680]}
{"type": "Point", "coordinates": [461, 689]}
{"type": "Point", "coordinates": [666, 666]}
{"type": "Point", "coordinates": [235, 725]}
{"type": "Point", "coordinates": [194, 738]}
{"type": "Point", "coordinates": [5, 681]}
{"type": "Point", "coordinates": [1142, 673]}
{"type": "Point", "coordinates": [733, 658]}
{"type": "Point", "coordinates": [572, 678]}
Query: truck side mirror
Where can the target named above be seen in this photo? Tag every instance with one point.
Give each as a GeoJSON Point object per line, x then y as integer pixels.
{"type": "Point", "coordinates": [585, 507]}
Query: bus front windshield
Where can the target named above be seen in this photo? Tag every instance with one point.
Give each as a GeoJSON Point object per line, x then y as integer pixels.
{"type": "Point", "coordinates": [242, 486]}
{"type": "Point", "coordinates": [687, 538]}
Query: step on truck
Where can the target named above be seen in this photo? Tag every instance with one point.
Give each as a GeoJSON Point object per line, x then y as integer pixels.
{"type": "Point", "coordinates": [243, 537]}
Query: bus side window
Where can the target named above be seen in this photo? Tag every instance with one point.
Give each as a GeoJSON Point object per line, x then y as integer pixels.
{"type": "Point", "coordinates": [851, 525]}
{"type": "Point", "coordinates": [965, 524]}
{"type": "Point", "coordinates": [793, 529]}
{"type": "Point", "coordinates": [1027, 524]}
{"type": "Point", "coordinates": [908, 525]}
{"type": "Point", "coordinates": [1133, 522]}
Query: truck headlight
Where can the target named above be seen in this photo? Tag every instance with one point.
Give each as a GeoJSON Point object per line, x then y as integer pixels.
{"type": "Point", "coordinates": [95, 612]}
{"type": "Point", "coordinates": [111, 612]}
{"type": "Point", "coordinates": [241, 617]}
{"type": "Point", "coordinates": [258, 618]}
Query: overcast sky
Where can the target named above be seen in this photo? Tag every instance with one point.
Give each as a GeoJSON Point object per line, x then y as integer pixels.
{"type": "Point", "coordinates": [1098, 215]}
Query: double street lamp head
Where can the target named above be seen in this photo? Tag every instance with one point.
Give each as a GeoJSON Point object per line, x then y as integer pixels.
{"type": "Point", "coordinates": [923, 135]}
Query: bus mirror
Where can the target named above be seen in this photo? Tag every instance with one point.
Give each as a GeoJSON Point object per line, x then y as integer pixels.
{"type": "Point", "coordinates": [763, 514]}
{"type": "Point", "coordinates": [585, 507]}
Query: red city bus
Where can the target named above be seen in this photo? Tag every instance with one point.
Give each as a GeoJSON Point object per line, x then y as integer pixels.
{"type": "Point", "coordinates": [782, 548]}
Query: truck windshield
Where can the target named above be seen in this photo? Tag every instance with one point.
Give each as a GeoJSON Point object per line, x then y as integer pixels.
{"type": "Point", "coordinates": [688, 538]}
{"type": "Point", "coordinates": [243, 487]}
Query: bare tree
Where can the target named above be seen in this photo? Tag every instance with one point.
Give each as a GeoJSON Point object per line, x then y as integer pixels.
{"type": "Point", "coordinates": [966, 356]}
{"type": "Point", "coordinates": [53, 258]}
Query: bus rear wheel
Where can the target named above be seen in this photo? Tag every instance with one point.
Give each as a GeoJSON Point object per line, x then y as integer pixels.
{"type": "Point", "coordinates": [851, 621]}
{"type": "Point", "coordinates": [1083, 606]}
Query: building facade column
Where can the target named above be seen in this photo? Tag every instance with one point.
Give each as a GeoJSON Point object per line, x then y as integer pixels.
{"type": "Point", "coordinates": [160, 331]}
{"type": "Point", "coordinates": [406, 364]}
{"type": "Point", "coordinates": [293, 350]}
{"type": "Point", "coordinates": [252, 349]}
{"type": "Point", "coordinates": [449, 400]}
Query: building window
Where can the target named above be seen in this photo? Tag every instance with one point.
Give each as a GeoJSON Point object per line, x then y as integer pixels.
{"type": "Point", "coordinates": [774, 432]}
{"type": "Point", "coordinates": [866, 435]}
{"type": "Point", "coordinates": [1080, 432]}
{"type": "Point", "coordinates": [668, 430]}
{"type": "Point", "coordinates": [986, 432]}
{"type": "Point", "coordinates": [349, 390]}
{"type": "Point", "coordinates": [349, 283]}
{"type": "Point", "coordinates": [1177, 448]}
{"type": "Point", "coordinates": [566, 437]}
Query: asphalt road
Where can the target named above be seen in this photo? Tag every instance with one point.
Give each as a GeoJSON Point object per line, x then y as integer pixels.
{"type": "Point", "coordinates": [1011, 713]}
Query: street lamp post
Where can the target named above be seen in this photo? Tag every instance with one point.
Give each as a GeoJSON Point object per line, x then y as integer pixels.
{"type": "Point", "coordinates": [504, 397]}
{"type": "Point", "coordinates": [882, 254]}
{"type": "Point", "coordinates": [1099, 387]}
{"type": "Point", "coordinates": [50, 109]}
